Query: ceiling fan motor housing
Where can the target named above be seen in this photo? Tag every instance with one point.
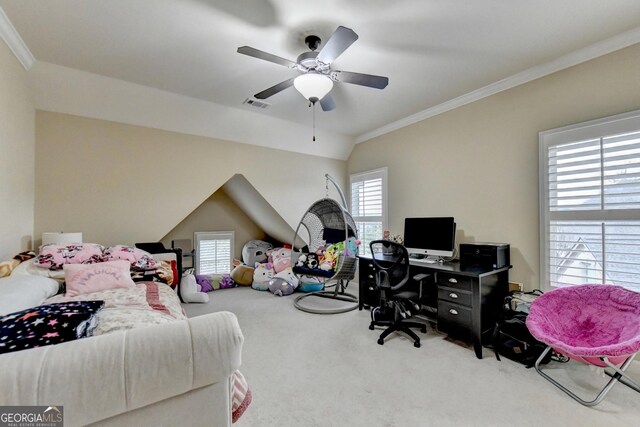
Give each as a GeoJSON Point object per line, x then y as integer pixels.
{"type": "Point", "coordinates": [308, 61]}
{"type": "Point", "coordinates": [312, 41]}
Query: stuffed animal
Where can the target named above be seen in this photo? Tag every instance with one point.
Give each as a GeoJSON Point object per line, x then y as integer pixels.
{"type": "Point", "coordinates": [302, 260]}
{"type": "Point", "coordinates": [255, 251]}
{"type": "Point", "coordinates": [205, 283]}
{"type": "Point", "coordinates": [288, 275]}
{"type": "Point", "coordinates": [280, 287]}
{"type": "Point", "coordinates": [227, 282]}
{"type": "Point", "coordinates": [281, 259]}
{"type": "Point", "coordinates": [351, 247]}
{"type": "Point", "coordinates": [330, 258]}
{"type": "Point", "coordinates": [190, 290]}
{"type": "Point", "coordinates": [311, 284]}
{"type": "Point", "coordinates": [261, 275]}
{"type": "Point", "coordinates": [312, 261]}
{"type": "Point", "coordinates": [242, 275]}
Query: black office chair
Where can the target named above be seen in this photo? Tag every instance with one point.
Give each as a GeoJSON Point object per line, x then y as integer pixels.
{"type": "Point", "coordinates": [391, 263]}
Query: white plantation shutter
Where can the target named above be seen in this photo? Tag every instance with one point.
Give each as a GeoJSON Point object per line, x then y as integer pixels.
{"type": "Point", "coordinates": [369, 205]}
{"type": "Point", "coordinates": [590, 203]}
{"type": "Point", "coordinates": [214, 251]}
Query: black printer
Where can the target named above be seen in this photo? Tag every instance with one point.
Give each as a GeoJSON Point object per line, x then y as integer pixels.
{"type": "Point", "coordinates": [485, 255]}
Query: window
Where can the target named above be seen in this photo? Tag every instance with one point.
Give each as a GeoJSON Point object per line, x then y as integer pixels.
{"type": "Point", "coordinates": [590, 203]}
{"type": "Point", "coordinates": [214, 251]}
{"type": "Point", "coordinates": [369, 205]}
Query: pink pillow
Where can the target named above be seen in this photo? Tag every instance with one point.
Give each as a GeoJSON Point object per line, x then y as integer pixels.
{"type": "Point", "coordinates": [54, 256]}
{"type": "Point", "coordinates": [87, 278]}
{"type": "Point", "coordinates": [139, 259]}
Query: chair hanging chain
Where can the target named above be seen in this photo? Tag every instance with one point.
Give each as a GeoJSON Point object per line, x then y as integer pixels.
{"type": "Point", "coordinates": [326, 187]}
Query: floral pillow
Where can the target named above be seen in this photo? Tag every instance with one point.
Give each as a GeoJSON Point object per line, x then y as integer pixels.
{"type": "Point", "coordinates": [48, 324]}
{"type": "Point", "coordinates": [54, 256]}
{"type": "Point", "coordinates": [139, 259]}
{"type": "Point", "coordinates": [85, 279]}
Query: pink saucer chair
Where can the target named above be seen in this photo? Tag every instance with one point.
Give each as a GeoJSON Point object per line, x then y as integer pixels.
{"type": "Point", "coordinates": [593, 324]}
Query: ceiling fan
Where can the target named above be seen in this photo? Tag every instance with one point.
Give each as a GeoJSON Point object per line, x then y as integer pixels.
{"type": "Point", "coordinates": [317, 77]}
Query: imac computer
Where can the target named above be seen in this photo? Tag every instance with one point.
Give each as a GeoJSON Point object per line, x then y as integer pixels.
{"type": "Point", "coordinates": [430, 239]}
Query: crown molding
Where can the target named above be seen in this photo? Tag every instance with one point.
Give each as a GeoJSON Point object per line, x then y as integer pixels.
{"type": "Point", "coordinates": [601, 48]}
{"type": "Point", "coordinates": [15, 42]}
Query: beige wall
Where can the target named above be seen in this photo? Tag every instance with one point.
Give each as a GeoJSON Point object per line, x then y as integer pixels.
{"type": "Point", "coordinates": [121, 183]}
{"type": "Point", "coordinates": [217, 213]}
{"type": "Point", "coordinates": [17, 148]}
{"type": "Point", "coordinates": [479, 163]}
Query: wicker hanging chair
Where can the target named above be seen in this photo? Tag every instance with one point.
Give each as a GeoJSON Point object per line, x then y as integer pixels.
{"type": "Point", "coordinates": [326, 222]}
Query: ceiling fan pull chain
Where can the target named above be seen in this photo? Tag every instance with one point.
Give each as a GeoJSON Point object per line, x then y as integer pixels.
{"type": "Point", "coordinates": [314, 122]}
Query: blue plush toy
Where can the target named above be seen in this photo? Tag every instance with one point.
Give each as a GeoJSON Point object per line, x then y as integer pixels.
{"type": "Point", "coordinates": [351, 247]}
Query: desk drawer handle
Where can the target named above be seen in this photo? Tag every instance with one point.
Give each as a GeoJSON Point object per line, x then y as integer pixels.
{"type": "Point", "coordinates": [370, 265]}
{"type": "Point", "coordinates": [370, 288]}
{"type": "Point", "coordinates": [370, 276]}
{"type": "Point", "coordinates": [453, 280]}
{"type": "Point", "coordinates": [454, 296]}
{"type": "Point", "coordinates": [453, 311]}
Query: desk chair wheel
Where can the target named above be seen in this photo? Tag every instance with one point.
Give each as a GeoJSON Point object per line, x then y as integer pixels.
{"type": "Point", "coordinates": [424, 329]}
{"type": "Point", "coordinates": [416, 344]}
{"type": "Point", "coordinates": [371, 327]}
{"type": "Point", "coordinates": [380, 341]}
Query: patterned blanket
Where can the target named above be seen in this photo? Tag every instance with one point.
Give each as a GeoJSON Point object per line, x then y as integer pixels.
{"type": "Point", "coordinates": [150, 303]}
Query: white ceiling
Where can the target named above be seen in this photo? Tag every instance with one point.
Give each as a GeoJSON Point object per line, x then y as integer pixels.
{"type": "Point", "coordinates": [431, 50]}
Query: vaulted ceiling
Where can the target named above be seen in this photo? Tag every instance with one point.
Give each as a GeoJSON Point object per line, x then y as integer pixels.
{"type": "Point", "coordinates": [433, 51]}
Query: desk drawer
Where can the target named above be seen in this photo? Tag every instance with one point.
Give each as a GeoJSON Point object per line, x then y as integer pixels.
{"type": "Point", "coordinates": [454, 320]}
{"type": "Point", "coordinates": [454, 281]}
{"type": "Point", "coordinates": [454, 295]}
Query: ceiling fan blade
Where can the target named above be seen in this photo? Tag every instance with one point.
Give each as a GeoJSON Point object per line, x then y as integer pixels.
{"type": "Point", "coordinates": [250, 51]}
{"type": "Point", "coordinates": [377, 82]}
{"type": "Point", "coordinates": [327, 103]}
{"type": "Point", "coordinates": [274, 89]}
{"type": "Point", "coordinates": [339, 41]}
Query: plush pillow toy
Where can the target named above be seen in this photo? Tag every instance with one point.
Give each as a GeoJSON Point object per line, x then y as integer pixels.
{"type": "Point", "coordinates": [287, 274]}
{"type": "Point", "coordinates": [281, 259]}
{"type": "Point", "coordinates": [312, 261]}
{"type": "Point", "coordinates": [280, 287]}
{"type": "Point", "coordinates": [242, 275]}
{"type": "Point", "coordinates": [351, 247]}
{"type": "Point", "coordinates": [261, 276]}
{"type": "Point", "coordinates": [255, 251]}
{"type": "Point", "coordinates": [190, 290]}
{"type": "Point", "coordinates": [302, 260]}
{"type": "Point", "coordinates": [311, 284]}
{"type": "Point", "coordinates": [330, 258]}
{"type": "Point", "coordinates": [227, 282]}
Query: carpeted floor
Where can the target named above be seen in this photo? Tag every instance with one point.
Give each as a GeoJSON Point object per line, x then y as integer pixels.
{"type": "Point", "coordinates": [327, 370]}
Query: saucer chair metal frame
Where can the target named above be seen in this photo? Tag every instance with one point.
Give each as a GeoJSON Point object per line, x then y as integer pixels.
{"type": "Point", "coordinates": [322, 217]}
{"type": "Point", "coordinates": [615, 350]}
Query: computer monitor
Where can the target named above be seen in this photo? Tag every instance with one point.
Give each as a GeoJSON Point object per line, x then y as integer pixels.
{"type": "Point", "coordinates": [433, 237]}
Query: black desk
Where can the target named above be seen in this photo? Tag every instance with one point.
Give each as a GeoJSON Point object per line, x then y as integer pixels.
{"type": "Point", "coordinates": [467, 300]}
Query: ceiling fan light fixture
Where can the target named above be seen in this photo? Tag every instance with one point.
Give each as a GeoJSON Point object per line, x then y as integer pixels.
{"type": "Point", "coordinates": [313, 86]}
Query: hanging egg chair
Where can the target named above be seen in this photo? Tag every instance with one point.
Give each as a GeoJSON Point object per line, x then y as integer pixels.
{"type": "Point", "coordinates": [325, 250]}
